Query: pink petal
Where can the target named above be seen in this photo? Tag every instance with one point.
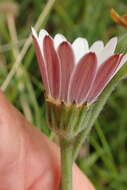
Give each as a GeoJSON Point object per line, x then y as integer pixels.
{"type": "Point", "coordinates": [66, 56]}
{"type": "Point", "coordinates": [41, 64]}
{"type": "Point", "coordinates": [123, 60]}
{"type": "Point", "coordinates": [104, 75]}
{"type": "Point", "coordinates": [82, 78]}
{"type": "Point", "coordinates": [53, 66]}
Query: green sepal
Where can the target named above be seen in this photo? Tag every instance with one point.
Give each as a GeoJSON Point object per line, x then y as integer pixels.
{"type": "Point", "coordinates": [66, 120]}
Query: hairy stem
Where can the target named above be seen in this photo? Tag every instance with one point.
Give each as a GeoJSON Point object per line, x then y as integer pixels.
{"type": "Point", "coordinates": [66, 150]}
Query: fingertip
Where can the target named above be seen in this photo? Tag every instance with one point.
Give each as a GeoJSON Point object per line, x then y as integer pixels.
{"type": "Point", "coordinates": [80, 181]}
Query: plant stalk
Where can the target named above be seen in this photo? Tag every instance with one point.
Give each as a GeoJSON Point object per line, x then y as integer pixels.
{"type": "Point", "coordinates": [66, 149]}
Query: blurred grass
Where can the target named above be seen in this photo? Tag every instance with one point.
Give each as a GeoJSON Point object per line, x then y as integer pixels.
{"type": "Point", "coordinates": [106, 165]}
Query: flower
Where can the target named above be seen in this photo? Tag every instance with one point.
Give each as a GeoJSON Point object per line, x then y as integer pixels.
{"type": "Point", "coordinates": [75, 73]}
{"type": "Point", "coordinates": [121, 20]}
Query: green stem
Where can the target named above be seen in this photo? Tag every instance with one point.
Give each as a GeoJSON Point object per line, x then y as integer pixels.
{"type": "Point", "coordinates": [83, 135]}
{"type": "Point", "coordinates": [66, 149]}
{"type": "Point", "coordinates": [81, 138]}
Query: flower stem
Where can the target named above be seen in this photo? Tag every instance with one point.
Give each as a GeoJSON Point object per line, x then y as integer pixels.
{"type": "Point", "coordinates": [66, 149]}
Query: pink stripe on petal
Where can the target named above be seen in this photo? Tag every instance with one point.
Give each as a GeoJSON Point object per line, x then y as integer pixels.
{"type": "Point", "coordinates": [41, 64]}
{"type": "Point", "coordinates": [66, 56]}
{"type": "Point", "coordinates": [53, 66]}
{"type": "Point", "coordinates": [82, 78]}
{"type": "Point", "coordinates": [122, 62]}
{"type": "Point", "coordinates": [104, 75]}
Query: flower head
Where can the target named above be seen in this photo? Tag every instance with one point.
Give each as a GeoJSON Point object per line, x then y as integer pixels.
{"type": "Point", "coordinates": [75, 72]}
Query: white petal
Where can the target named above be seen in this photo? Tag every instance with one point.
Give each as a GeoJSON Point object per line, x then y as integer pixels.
{"type": "Point", "coordinates": [97, 47]}
{"type": "Point", "coordinates": [80, 47]}
{"type": "Point", "coordinates": [34, 33]}
{"type": "Point", "coordinates": [39, 38]}
{"type": "Point", "coordinates": [42, 34]}
{"type": "Point", "coordinates": [108, 50]}
{"type": "Point", "coordinates": [58, 39]}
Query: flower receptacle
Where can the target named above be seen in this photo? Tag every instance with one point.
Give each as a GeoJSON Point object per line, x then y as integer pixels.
{"type": "Point", "coordinates": [66, 120]}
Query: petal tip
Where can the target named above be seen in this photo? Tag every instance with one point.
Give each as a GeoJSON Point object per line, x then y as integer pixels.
{"type": "Point", "coordinates": [80, 40]}
{"type": "Point", "coordinates": [58, 39]}
{"type": "Point", "coordinates": [114, 40]}
{"type": "Point", "coordinates": [59, 36]}
{"type": "Point", "coordinates": [34, 33]}
{"type": "Point", "coordinates": [43, 32]}
{"type": "Point", "coordinates": [80, 47]}
{"type": "Point", "coordinates": [111, 44]}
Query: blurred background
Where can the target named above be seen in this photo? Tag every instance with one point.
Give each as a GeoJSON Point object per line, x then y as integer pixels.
{"type": "Point", "coordinates": [104, 157]}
